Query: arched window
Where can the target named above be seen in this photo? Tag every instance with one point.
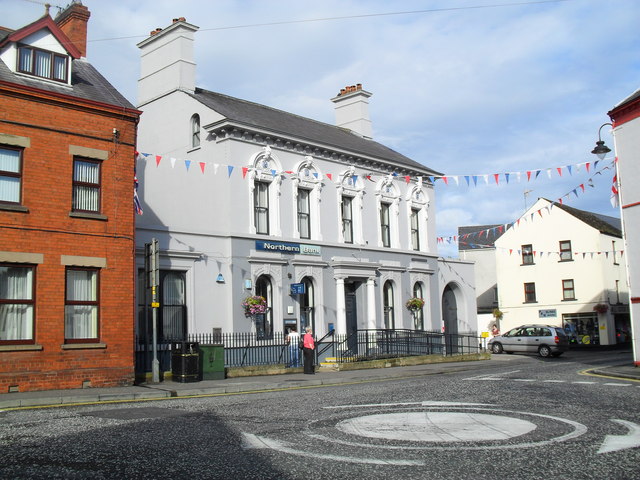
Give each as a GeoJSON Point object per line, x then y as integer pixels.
{"type": "Point", "coordinates": [264, 322]}
{"type": "Point", "coordinates": [195, 130]}
{"type": "Point", "coordinates": [418, 318]}
{"type": "Point", "coordinates": [307, 306]}
{"type": "Point", "coordinates": [389, 315]}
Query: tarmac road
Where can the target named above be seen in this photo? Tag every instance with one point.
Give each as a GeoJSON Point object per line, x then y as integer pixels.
{"type": "Point", "coordinates": [510, 417]}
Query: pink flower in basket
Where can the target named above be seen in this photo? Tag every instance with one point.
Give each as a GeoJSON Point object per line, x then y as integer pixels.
{"type": "Point", "coordinates": [254, 305]}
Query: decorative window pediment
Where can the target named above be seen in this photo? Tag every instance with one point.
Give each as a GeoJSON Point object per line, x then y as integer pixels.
{"type": "Point", "coordinates": [266, 166]}
{"type": "Point", "coordinates": [308, 175]}
{"type": "Point", "coordinates": [387, 190]}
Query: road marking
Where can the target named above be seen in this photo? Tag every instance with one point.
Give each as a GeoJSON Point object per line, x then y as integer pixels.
{"type": "Point", "coordinates": [491, 376]}
{"type": "Point", "coordinates": [618, 384]}
{"type": "Point", "coordinates": [584, 383]}
{"type": "Point", "coordinates": [436, 427]}
{"type": "Point", "coordinates": [427, 403]}
{"type": "Point", "coordinates": [578, 430]}
{"type": "Point", "coordinates": [553, 381]}
{"type": "Point", "coordinates": [525, 380]}
{"type": "Point", "coordinates": [613, 443]}
{"type": "Point", "coordinates": [255, 441]}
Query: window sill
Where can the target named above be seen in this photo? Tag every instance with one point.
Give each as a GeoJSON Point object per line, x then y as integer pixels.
{"type": "Point", "coordinates": [90, 216]}
{"type": "Point", "coordinates": [83, 346]}
{"type": "Point", "coordinates": [20, 348]}
{"type": "Point", "coordinates": [569, 299]}
{"type": "Point", "coordinates": [194, 149]}
{"type": "Point", "coordinates": [529, 303]}
{"type": "Point", "coordinates": [14, 208]}
{"type": "Point", "coordinates": [566, 260]}
{"type": "Point", "coordinates": [527, 264]}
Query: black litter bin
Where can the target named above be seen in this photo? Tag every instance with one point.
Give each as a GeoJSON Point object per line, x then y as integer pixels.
{"type": "Point", "coordinates": [185, 362]}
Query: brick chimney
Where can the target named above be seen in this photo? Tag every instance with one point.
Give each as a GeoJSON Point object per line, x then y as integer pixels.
{"type": "Point", "coordinates": [167, 61]}
{"type": "Point", "coordinates": [352, 110]}
{"type": "Point", "coordinates": [73, 22]}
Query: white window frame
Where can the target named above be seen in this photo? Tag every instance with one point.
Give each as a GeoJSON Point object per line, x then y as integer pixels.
{"type": "Point", "coordinates": [196, 131]}
{"type": "Point", "coordinates": [265, 167]}
{"type": "Point", "coordinates": [417, 201]}
{"type": "Point", "coordinates": [308, 178]}
{"type": "Point", "coordinates": [387, 193]}
{"type": "Point", "coordinates": [351, 185]}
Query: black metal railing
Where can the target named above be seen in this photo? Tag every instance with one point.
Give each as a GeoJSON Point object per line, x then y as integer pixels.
{"type": "Point", "coordinates": [249, 349]}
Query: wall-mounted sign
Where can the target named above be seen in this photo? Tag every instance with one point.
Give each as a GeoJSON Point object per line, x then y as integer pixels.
{"type": "Point", "coordinates": [552, 312]}
{"type": "Point", "coordinates": [283, 247]}
{"type": "Point", "coordinates": [297, 289]}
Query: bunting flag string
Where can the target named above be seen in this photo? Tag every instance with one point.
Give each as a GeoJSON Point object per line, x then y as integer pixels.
{"type": "Point", "coordinates": [449, 180]}
{"type": "Point", "coordinates": [549, 254]}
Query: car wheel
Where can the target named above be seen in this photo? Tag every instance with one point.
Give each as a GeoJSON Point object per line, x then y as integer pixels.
{"type": "Point", "coordinates": [544, 351]}
{"type": "Point", "coordinates": [496, 348]}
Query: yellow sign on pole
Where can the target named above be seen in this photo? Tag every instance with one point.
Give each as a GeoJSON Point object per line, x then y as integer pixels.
{"type": "Point", "coordinates": [155, 304]}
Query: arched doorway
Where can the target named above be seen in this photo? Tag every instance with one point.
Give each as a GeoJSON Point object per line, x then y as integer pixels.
{"type": "Point", "coordinates": [264, 322]}
{"type": "Point", "coordinates": [389, 313]}
{"type": "Point", "coordinates": [450, 311]}
{"type": "Point", "coordinates": [418, 318]}
{"type": "Point", "coordinates": [307, 306]}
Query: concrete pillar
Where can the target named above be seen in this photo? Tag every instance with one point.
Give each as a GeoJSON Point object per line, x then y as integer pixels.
{"type": "Point", "coordinates": [341, 313]}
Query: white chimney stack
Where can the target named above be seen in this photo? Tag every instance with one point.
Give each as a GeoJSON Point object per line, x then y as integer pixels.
{"type": "Point", "coordinates": [167, 61]}
{"type": "Point", "coordinates": [352, 110]}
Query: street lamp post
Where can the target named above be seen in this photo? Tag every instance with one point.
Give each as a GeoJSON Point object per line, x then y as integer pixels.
{"type": "Point", "coordinates": [601, 150]}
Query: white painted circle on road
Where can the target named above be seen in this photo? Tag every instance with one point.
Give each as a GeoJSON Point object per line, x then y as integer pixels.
{"type": "Point", "coordinates": [436, 426]}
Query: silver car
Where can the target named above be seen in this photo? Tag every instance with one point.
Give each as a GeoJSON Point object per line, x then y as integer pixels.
{"type": "Point", "coordinates": [546, 340]}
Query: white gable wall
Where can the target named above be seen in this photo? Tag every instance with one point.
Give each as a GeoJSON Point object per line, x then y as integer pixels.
{"type": "Point", "coordinates": [594, 275]}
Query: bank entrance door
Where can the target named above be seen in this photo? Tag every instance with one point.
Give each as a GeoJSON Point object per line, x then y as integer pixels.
{"type": "Point", "coordinates": [351, 311]}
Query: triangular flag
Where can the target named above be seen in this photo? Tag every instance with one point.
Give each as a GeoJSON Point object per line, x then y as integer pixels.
{"type": "Point", "coordinates": [273, 172]}
{"type": "Point", "coordinates": [588, 165]}
{"type": "Point", "coordinates": [455, 179]}
{"type": "Point", "coordinates": [569, 168]}
{"type": "Point", "coordinates": [466, 177]}
{"type": "Point", "coordinates": [537, 173]}
{"type": "Point", "coordinates": [202, 165]}
{"type": "Point", "coordinates": [158, 158]}
{"type": "Point", "coordinates": [215, 168]}
{"type": "Point", "coordinates": [528, 175]}
{"type": "Point", "coordinates": [407, 179]}
{"type": "Point", "coordinates": [173, 162]}
{"type": "Point", "coordinates": [315, 174]}
{"type": "Point", "coordinates": [506, 176]}
{"type": "Point", "coordinates": [446, 180]}
{"type": "Point", "coordinates": [330, 176]}
{"type": "Point", "coordinates": [475, 180]}
{"type": "Point", "coordinates": [187, 163]}
{"type": "Point", "coordinates": [559, 170]}
{"type": "Point", "coordinates": [244, 171]}
{"type": "Point", "coordinates": [229, 170]}
{"type": "Point", "coordinates": [496, 176]}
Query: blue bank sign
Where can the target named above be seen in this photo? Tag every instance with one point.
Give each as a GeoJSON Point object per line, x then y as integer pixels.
{"type": "Point", "coordinates": [293, 248]}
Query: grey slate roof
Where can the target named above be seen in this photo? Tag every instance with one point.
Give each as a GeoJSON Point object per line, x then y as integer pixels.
{"type": "Point", "coordinates": [603, 223]}
{"type": "Point", "coordinates": [280, 122]}
{"type": "Point", "coordinates": [479, 236]}
{"type": "Point", "coordinates": [87, 83]}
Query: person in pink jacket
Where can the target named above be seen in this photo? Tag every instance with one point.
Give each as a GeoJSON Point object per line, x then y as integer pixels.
{"type": "Point", "coordinates": [308, 348]}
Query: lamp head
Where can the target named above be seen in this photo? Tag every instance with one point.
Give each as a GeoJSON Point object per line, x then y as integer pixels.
{"type": "Point", "coordinates": [601, 149]}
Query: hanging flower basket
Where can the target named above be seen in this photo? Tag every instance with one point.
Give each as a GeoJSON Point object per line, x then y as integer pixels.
{"type": "Point", "coordinates": [601, 308]}
{"type": "Point", "coordinates": [497, 314]}
{"type": "Point", "coordinates": [414, 304]}
{"type": "Point", "coordinates": [254, 305]}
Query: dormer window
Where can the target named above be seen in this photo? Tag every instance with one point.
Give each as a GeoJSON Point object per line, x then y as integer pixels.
{"type": "Point", "coordinates": [42, 63]}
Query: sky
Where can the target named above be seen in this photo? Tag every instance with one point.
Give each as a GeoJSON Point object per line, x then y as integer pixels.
{"type": "Point", "coordinates": [469, 88]}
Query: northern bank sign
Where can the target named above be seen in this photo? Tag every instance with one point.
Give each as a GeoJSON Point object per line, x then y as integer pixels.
{"type": "Point", "coordinates": [294, 248]}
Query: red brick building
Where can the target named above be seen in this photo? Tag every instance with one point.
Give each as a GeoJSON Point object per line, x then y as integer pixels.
{"type": "Point", "coordinates": [67, 142]}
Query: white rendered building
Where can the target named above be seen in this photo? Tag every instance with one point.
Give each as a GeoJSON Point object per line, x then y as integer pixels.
{"type": "Point", "coordinates": [626, 122]}
{"type": "Point", "coordinates": [558, 265]}
{"type": "Point", "coordinates": [335, 230]}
